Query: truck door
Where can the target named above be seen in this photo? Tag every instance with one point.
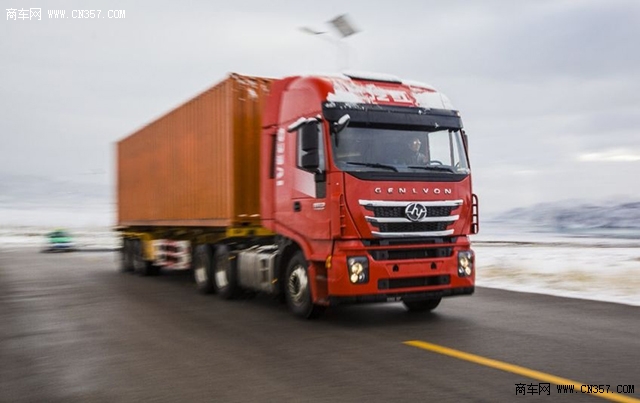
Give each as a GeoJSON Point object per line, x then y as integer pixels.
{"type": "Point", "coordinates": [302, 203]}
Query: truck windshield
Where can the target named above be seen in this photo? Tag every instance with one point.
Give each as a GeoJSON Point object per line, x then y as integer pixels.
{"type": "Point", "coordinates": [375, 149]}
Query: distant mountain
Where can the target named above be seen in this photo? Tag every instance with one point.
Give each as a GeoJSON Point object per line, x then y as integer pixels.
{"type": "Point", "coordinates": [27, 190]}
{"type": "Point", "coordinates": [570, 216]}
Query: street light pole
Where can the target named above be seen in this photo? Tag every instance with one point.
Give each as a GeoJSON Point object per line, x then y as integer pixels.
{"type": "Point", "coordinates": [344, 28]}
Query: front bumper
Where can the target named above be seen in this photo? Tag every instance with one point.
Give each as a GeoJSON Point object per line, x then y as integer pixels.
{"type": "Point", "coordinates": [404, 296]}
{"type": "Point", "coordinates": [395, 273]}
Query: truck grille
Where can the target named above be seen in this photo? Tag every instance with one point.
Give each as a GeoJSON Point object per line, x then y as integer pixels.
{"type": "Point", "coordinates": [394, 283]}
{"type": "Point", "coordinates": [409, 248]}
{"type": "Point", "coordinates": [399, 211]}
{"type": "Point", "coordinates": [408, 254]}
{"type": "Point", "coordinates": [389, 219]}
{"type": "Point", "coordinates": [408, 227]}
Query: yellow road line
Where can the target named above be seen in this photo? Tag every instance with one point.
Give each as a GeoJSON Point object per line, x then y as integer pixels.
{"type": "Point", "coordinates": [516, 369]}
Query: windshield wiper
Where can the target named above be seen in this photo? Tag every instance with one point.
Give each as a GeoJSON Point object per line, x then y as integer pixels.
{"type": "Point", "coordinates": [432, 168]}
{"type": "Point", "coordinates": [373, 165]}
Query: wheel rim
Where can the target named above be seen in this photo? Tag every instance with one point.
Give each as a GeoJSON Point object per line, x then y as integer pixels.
{"type": "Point", "coordinates": [201, 274]}
{"type": "Point", "coordinates": [297, 285]}
{"type": "Point", "coordinates": [221, 279]}
{"type": "Point", "coordinates": [221, 271]}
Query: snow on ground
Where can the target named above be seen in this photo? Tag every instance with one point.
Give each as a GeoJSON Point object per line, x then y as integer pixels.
{"type": "Point", "coordinates": [597, 268]}
{"type": "Point", "coordinates": [89, 223]}
{"type": "Point", "coordinates": [85, 238]}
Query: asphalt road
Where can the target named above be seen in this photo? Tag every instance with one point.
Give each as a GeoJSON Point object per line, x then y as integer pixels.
{"type": "Point", "coordinates": [74, 329]}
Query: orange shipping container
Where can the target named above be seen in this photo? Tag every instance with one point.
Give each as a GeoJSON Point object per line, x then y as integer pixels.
{"type": "Point", "coordinates": [198, 165]}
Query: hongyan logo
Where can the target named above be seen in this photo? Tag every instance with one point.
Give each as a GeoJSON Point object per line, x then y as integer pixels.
{"type": "Point", "coordinates": [415, 211]}
{"type": "Point", "coordinates": [280, 157]}
{"type": "Point", "coordinates": [412, 191]}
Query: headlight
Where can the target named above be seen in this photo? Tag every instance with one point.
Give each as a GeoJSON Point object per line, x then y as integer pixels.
{"type": "Point", "coordinates": [358, 267]}
{"type": "Point", "coordinates": [465, 263]}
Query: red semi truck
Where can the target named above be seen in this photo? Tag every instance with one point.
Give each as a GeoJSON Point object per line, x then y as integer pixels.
{"type": "Point", "coordinates": [324, 190]}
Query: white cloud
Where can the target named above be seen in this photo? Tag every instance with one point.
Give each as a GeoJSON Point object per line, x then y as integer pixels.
{"type": "Point", "coordinates": [612, 155]}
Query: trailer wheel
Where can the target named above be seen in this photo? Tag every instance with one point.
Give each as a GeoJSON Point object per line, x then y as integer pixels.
{"type": "Point", "coordinates": [126, 257]}
{"type": "Point", "coordinates": [225, 279]}
{"type": "Point", "coordinates": [139, 264]}
{"type": "Point", "coordinates": [424, 305]}
{"type": "Point", "coordinates": [298, 291]}
{"type": "Point", "coordinates": [202, 269]}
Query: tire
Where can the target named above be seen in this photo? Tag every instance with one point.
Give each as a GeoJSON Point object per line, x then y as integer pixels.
{"type": "Point", "coordinates": [127, 255]}
{"type": "Point", "coordinates": [225, 279]}
{"type": "Point", "coordinates": [297, 290]}
{"type": "Point", "coordinates": [202, 269]}
{"type": "Point", "coordinates": [139, 264]}
{"type": "Point", "coordinates": [425, 305]}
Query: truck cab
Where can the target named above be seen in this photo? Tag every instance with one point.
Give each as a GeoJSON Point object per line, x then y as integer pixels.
{"type": "Point", "coordinates": [370, 177]}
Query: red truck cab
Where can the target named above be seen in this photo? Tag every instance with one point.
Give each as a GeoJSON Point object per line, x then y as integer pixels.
{"type": "Point", "coordinates": [370, 177]}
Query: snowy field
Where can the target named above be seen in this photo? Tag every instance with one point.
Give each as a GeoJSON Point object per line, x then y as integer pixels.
{"type": "Point", "coordinates": [90, 238]}
{"type": "Point", "coordinates": [594, 267]}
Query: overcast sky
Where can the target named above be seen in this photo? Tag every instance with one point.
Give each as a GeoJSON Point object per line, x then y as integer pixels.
{"type": "Point", "coordinates": [549, 91]}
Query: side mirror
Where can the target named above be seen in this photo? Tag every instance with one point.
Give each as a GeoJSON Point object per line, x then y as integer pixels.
{"type": "Point", "coordinates": [309, 133]}
{"type": "Point", "coordinates": [310, 161]}
{"type": "Point", "coordinates": [310, 145]}
{"type": "Point", "coordinates": [338, 126]}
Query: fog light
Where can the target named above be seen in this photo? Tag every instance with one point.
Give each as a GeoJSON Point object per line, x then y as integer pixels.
{"type": "Point", "coordinates": [358, 269]}
{"type": "Point", "coordinates": [465, 263]}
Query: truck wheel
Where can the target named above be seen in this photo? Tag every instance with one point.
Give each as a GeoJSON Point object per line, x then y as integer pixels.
{"type": "Point", "coordinates": [225, 279]}
{"type": "Point", "coordinates": [422, 305]}
{"type": "Point", "coordinates": [139, 264]}
{"type": "Point", "coordinates": [202, 269]}
{"type": "Point", "coordinates": [126, 257]}
{"type": "Point", "coordinates": [297, 289]}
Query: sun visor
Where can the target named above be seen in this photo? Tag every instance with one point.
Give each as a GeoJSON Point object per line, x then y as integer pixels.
{"type": "Point", "coordinates": [393, 116]}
